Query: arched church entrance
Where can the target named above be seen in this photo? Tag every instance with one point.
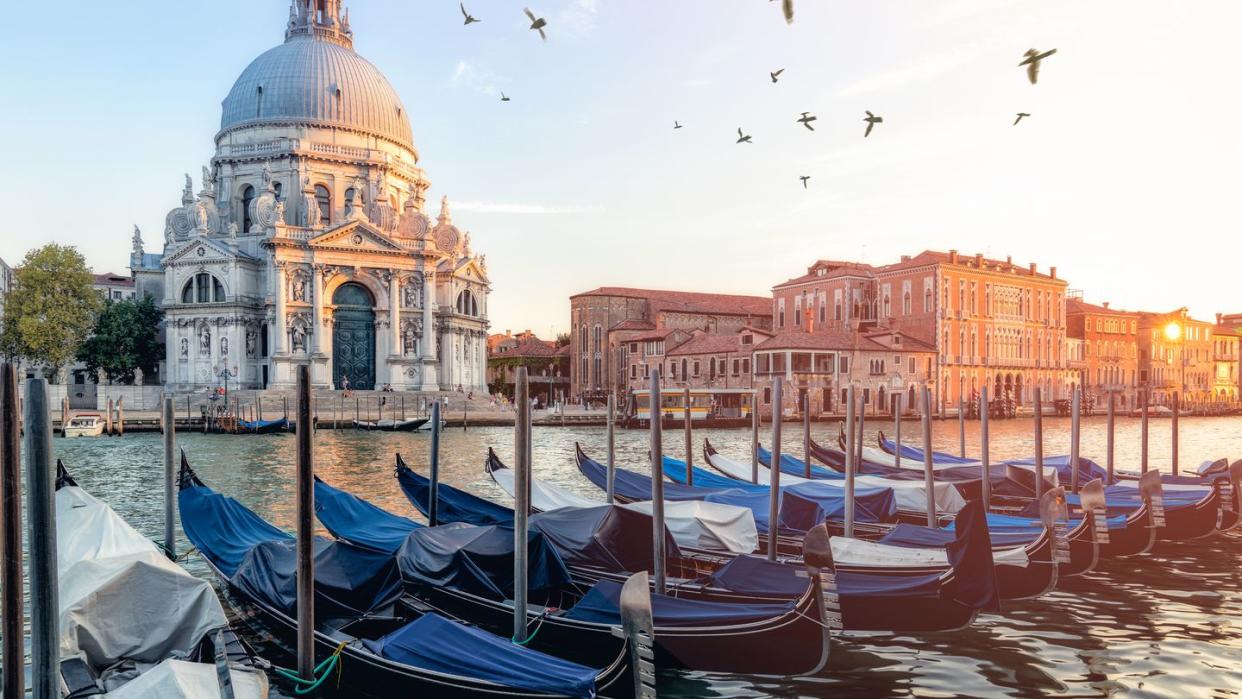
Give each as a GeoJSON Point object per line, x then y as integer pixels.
{"type": "Point", "coordinates": [353, 337]}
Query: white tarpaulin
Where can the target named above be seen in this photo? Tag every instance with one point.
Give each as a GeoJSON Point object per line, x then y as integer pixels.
{"type": "Point", "coordinates": [120, 596]}
{"type": "Point", "coordinates": [857, 553]}
{"type": "Point", "coordinates": [909, 495]}
{"type": "Point", "coordinates": [692, 523]}
{"type": "Point", "coordinates": [177, 679]}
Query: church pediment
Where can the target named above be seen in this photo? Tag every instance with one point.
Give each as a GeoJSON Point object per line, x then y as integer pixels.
{"type": "Point", "coordinates": [201, 249]}
{"type": "Point", "coordinates": [355, 236]}
{"type": "Point", "coordinates": [471, 269]}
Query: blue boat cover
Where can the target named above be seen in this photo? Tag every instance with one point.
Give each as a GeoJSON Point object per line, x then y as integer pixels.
{"type": "Point", "coordinates": [477, 560]}
{"type": "Point", "coordinates": [353, 519]}
{"type": "Point", "coordinates": [1088, 470]}
{"type": "Point", "coordinates": [613, 538]}
{"type": "Point", "coordinates": [916, 454]}
{"type": "Point", "coordinates": [602, 605]}
{"type": "Point", "coordinates": [807, 504]}
{"type": "Point", "coordinates": [970, 554]}
{"type": "Point", "coordinates": [436, 644]}
{"type": "Point", "coordinates": [796, 467]}
{"type": "Point", "coordinates": [916, 536]}
{"type": "Point", "coordinates": [255, 425]}
{"type": "Point", "coordinates": [753, 575]}
{"type": "Point", "coordinates": [350, 581]}
{"type": "Point", "coordinates": [223, 529]}
{"type": "Point", "coordinates": [453, 505]}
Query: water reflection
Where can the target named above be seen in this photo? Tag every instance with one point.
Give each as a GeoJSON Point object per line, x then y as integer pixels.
{"type": "Point", "coordinates": [1161, 624]}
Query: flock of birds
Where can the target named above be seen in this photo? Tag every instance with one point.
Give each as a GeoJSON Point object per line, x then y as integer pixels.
{"type": "Point", "coordinates": [1032, 59]}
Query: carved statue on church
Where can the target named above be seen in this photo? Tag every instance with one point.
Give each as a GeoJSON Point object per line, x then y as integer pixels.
{"type": "Point", "coordinates": [204, 341]}
{"type": "Point", "coordinates": [299, 289]}
{"type": "Point", "coordinates": [252, 340]}
{"type": "Point", "coordinates": [209, 180]}
{"type": "Point", "coordinates": [137, 240]}
{"type": "Point", "coordinates": [265, 209]}
{"type": "Point", "coordinates": [187, 194]}
{"type": "Point", "coordinates": [297, 338]}
{"type": "Point", "coordinates": [233, 230]}
{"type": "Point", "coordinates": [410, 298]}
{"type": "Point", "coordinates": [268, 184]}
{"type": "Point", "coordinates": [224, 347]}
{"type": "Point", "coordinates": [408, 340]}
{"type": "Point", "coordinates": [185, 348]}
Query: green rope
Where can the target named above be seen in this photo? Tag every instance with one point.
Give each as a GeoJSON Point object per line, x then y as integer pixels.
{"type": "Point", "coordinates": [321, 672]}
{"type": "Point", "coordinates": [531, 637]}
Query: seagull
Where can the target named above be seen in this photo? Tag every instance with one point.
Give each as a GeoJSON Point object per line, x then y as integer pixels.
{"type": "Point", "coordinates": [676, 125]}
{"type": "Point", "coordinates": [1033, 57]}
{"type": "Point", "coordinates": [787, 8]}
{"type": "Point", "coordinates": [741, 137]}
{"type": "Point", "coordinates": [1020, 116]}
{"type": "Point", "coordinates": [469, 18]}
{"type": "Point", "coordinates": [777, 74]}
{"type": "Point", "coordinates": [537, 23]}
{"type": "Point", "coordinates": [806, 120]}
{"type": "Point", "coordinates": [804, 178]}
{"type": "Point", "coordinates": [503, 97]}
{"type": "Point", "coordinates": [872, 120]}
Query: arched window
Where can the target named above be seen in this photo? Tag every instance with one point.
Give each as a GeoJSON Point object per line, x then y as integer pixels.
{"type": "Point", "coordinates": [246, 197]}
{"type": "Point", "coordinates": [467, 305]}
{"type": "Point", "coordinates": [203, 288]}
{"type": "Point", "coordinates": [323, 199]}
{"type": "Point", "coordinates": [277, 186]}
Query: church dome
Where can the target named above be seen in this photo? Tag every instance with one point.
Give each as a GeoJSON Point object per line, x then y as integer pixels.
{"type": "Point", "coordinates": [311, 80]}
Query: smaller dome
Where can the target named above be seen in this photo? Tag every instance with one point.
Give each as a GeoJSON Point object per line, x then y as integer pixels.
{"type": "Point", "coordinates": [446, 236]}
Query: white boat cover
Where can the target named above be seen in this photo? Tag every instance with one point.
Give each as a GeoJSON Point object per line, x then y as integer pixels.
{"type": "Point", "coordinates": [911, 496]}
{"type": "Point", "coordinates": [120, 596]}
{"type": "Point", "coordinates": [869, 554]}
{"type": "Point", "coordinates": [178, 679]}
{"type": "Point", "coordinates": [692, 523]}
{"type": "Point", "coordinates": [879, 456]}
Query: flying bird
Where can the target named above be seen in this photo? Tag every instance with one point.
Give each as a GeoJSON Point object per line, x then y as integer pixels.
{"type": "Point", "coordinates": [537, 23]}
{"type": "Point", "coordinates": [871, 120]}
{"type": "Point", "coordinates": [1033, 57]}
{"type": "Point", "coordinates": [787, 8]}
{"type": "Point", "coordinates": [1020, 117]}
{"type": "Point", "coordinates": [503, 97]}
{"type": "Point", "coordinates": [676, 124]}
{"type": "Point", "coordinates": [777, 74]}
{"type": "Point", "coordinates": [469, 18]}
{"type": "Point", "coordinates": [806, 120]}
{"type": "Point", "coordinates": [804, 178]}
{"type": "Point", "coordinates": [741, 137]}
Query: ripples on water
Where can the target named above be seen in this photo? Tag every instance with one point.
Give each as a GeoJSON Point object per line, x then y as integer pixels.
{"type": "Point", "coordinates": [1164, 624]}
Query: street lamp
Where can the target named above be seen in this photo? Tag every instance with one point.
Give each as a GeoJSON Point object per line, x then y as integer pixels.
{"type": "Point", "coordinates": [224, 373]}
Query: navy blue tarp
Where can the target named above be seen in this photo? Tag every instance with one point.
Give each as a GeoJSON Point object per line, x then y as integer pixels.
{"type": "Point", "coordinates": [263, 425]}
{"type": "Point", "coordinates": [796, 467]}
{"type": "Point", "coordinates": [916, 454]}
{"type": "Point", "coordinates": [916, 536]}
{"type": "Point", "coordinates": [753, 575]}
{"type": "Point", "coordinates": [607, 537]}
{"type": "Point", "coordinates": [1088, 470]}
{"type": "Point", "coordinates": [353, 519]}
{"type": "Point", "coordinates": [349, 581]}
{"type": "Point", "coordinates": [602, 605]}
{"type": "Point", "coordinates": [453, 505]}
{"type": "Point", "coordinates": [970, 554]}
{"type": "Point", "coordinates": [439, 645]}
{"type": "Point", "coordinates": [223, 529]}
{"type": "Point", "coordinates": [477, 560]}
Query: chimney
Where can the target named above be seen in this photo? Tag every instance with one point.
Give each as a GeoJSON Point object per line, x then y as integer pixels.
{"type": "Point", "coordinates": [1105, 304]}
{"type": "Point", "coordinates": [1033, 267]}
{"type": "Point", "coordinates": [905, 258]}
{"type": "Point", "coordinates": [1052, 272]}
{"type": "Point", "coordinates": [1009, 260]}
{"type": "Point", "coordinates": [952, 257]}
{"type": "Point", "coordinates": [978, 260]}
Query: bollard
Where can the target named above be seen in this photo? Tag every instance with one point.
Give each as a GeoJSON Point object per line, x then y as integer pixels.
{"type": "Point", "coordinates": [774, 471]}
{"type": "Point", "coordinates": [170, 478]}
{"type": "Point", "coordinates": [1039, 445]}
{"type": "Point", "coordinates": [305, 526]}
{"type": "Point", "coordinates": [849, 463]}
{"type": "Point", "coordinates": [929, 479]}
{"type": "Point", "coordinates": [1075, 435]}
{"type": "Point", "coordinates": [985, 457]}
{"type": "Point", "coordinates": [657, 485]}
{"type": "Point", "coordinates": [612, 449]}
{"type": "Point", "coordinates": [433, 505]}
{"type": "Point", "coordinates": [689, 437]}
{"type": "Point", "coordinates": [521, 504]}
{"type": "Point", "coordinates": [41, 534]}
{"type": "Point", "coordinates": [12, 658]}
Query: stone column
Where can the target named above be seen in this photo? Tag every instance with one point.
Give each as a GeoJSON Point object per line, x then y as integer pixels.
{"type": "Point", "coordinates": [317, 296]}
{"type": "Point", "coordinates": [281, 346]}
{"type": "Point", "coordinates": [394, 313]}
{"type": "Point", "coordinates": [429, 332]}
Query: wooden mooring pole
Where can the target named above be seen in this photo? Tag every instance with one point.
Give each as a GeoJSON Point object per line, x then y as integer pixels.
{"type": "Point", "coordinates": [521, 504]}
{"type": "Point", "coordinates": [611, 486]}
{"type": "Point", "coordinates": [774, 470]}
{"type": "Point", "coordinates": [12, 588]}
{"type": "Point", "coordinates": [41, 534]}
{"type": "Point", "coordinates": [170, 477]}
{"type": "Point", "coordinates": [305, 527]}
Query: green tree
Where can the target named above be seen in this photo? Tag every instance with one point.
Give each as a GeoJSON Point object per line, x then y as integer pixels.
{"type": "Point", "coordinates": [562, 339]}
{"type": "Point", "coordinates": [126, 338]}
{"type": "Point", "coordinates": [51, 308]}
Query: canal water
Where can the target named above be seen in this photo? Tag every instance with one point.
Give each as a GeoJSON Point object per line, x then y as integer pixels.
{"type": "Point", "coordinates": [1165, 624]}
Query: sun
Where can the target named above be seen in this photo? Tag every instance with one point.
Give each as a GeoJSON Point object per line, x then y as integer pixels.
{"type": "Point", "coordinates": [1173, 331]}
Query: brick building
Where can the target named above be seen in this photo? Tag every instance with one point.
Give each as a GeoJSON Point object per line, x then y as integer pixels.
{"type": "Point", "coordinates": [1110, 350]}
{"type": "Point", "coordinates": [989, 322]}
{"type": "Point", "coordinates": [1226, 358]}
{"type": "Point", "coordinates": [692, 359]}
{"type": "Point", "coordinates": [608, 325]}
{"type": "Point", "coordinates": [547, 367]}
{"type": "Point", "coordinates": [1175, 356]}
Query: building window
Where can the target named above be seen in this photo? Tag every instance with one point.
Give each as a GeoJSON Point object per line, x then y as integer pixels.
{"type": "Point", "coordinates": [467, 305]}
{"type": "Point", "coordinates": [684, 374]}
{"type": "Point", "coordinates": [844, 364]}
{"type": "Point", "coordinates": [246, 197]}
{"type": "Point", "coordinates": [203, 288]}
{"type": "Point", "coordinates": [633, 371]}
{"type": "Point", "coordinates": [736, 366]}
{"type": "Point", "coordinates": [767, 395]}
{"type": "Point", "coordinates": [324, 200]}
{"type": "Point", "coordinates": [745, 367]}
{"type": "Point", "coordinates": [696, 368]}
{"type": "Point", "coordinates": [672, 369]}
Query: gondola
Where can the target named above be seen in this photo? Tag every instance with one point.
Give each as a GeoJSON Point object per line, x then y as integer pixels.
{"type": "Point", "coordinates": [262, 426]}
{"type": "Point", "coordinates": [391, 425]}
{"type": "Point", "coordinates": [1088, 470]}
{"type": "Point", "coordinates": [132, 621]}
{"type": "Point", "coordinates": [386, 647]}
{"type": "Point", "coordinates": [939, 601]}
{"type": "Point", "coordinates": [465, 571]}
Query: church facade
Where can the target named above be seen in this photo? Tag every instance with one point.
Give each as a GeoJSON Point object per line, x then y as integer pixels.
{"type": "Point", "coordinates": [308, 239]}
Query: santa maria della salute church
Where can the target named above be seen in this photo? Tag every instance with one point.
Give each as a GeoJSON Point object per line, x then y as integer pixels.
{"type": "Point", "coordinates": [308, 239]}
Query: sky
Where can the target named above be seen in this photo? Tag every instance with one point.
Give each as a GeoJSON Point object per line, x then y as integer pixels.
{"type": "Point", "coordinates": [1125, 176]}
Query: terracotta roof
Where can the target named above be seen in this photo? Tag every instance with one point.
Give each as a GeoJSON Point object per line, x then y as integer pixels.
{"type": "Point", "coordinates": [632, 324]}
{"type": "Point", "coordinates": [704, 343]}
{"type": "Point", "coordinates": [841, 340]}
{"type": "Point", "coordinates": [530, 347]}
{"type": "Point", "coordinates": [836, 271]}
{"type": "Point", "coordinates": [690, 301]}
{"type": "Point", "coordinates": [1231, 330]}
{"type": "Point", "coordinates": [654, 335]}
{"type": "Point", "coordinates": [111, 279]}
{"type": "Point", "coordinates": [563, 351]}
{"type": "Point", "coordinates": [1073, 306]}
{"type": "Point", "coordinates": [932, 257]}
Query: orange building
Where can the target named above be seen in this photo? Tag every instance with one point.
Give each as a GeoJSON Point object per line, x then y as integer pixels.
{"type": "Point", "coordinates": [1110, 350]}
{"type": "Point", "coordinates": [1226, 354]}
{"type": "Point", "coordinates": [1175, 356]}
{"type": "Point", "coordinates": [991, 322]}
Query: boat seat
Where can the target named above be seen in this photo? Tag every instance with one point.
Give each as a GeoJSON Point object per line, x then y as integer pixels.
{"type": "Point", "coordinates": [79, 678]}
